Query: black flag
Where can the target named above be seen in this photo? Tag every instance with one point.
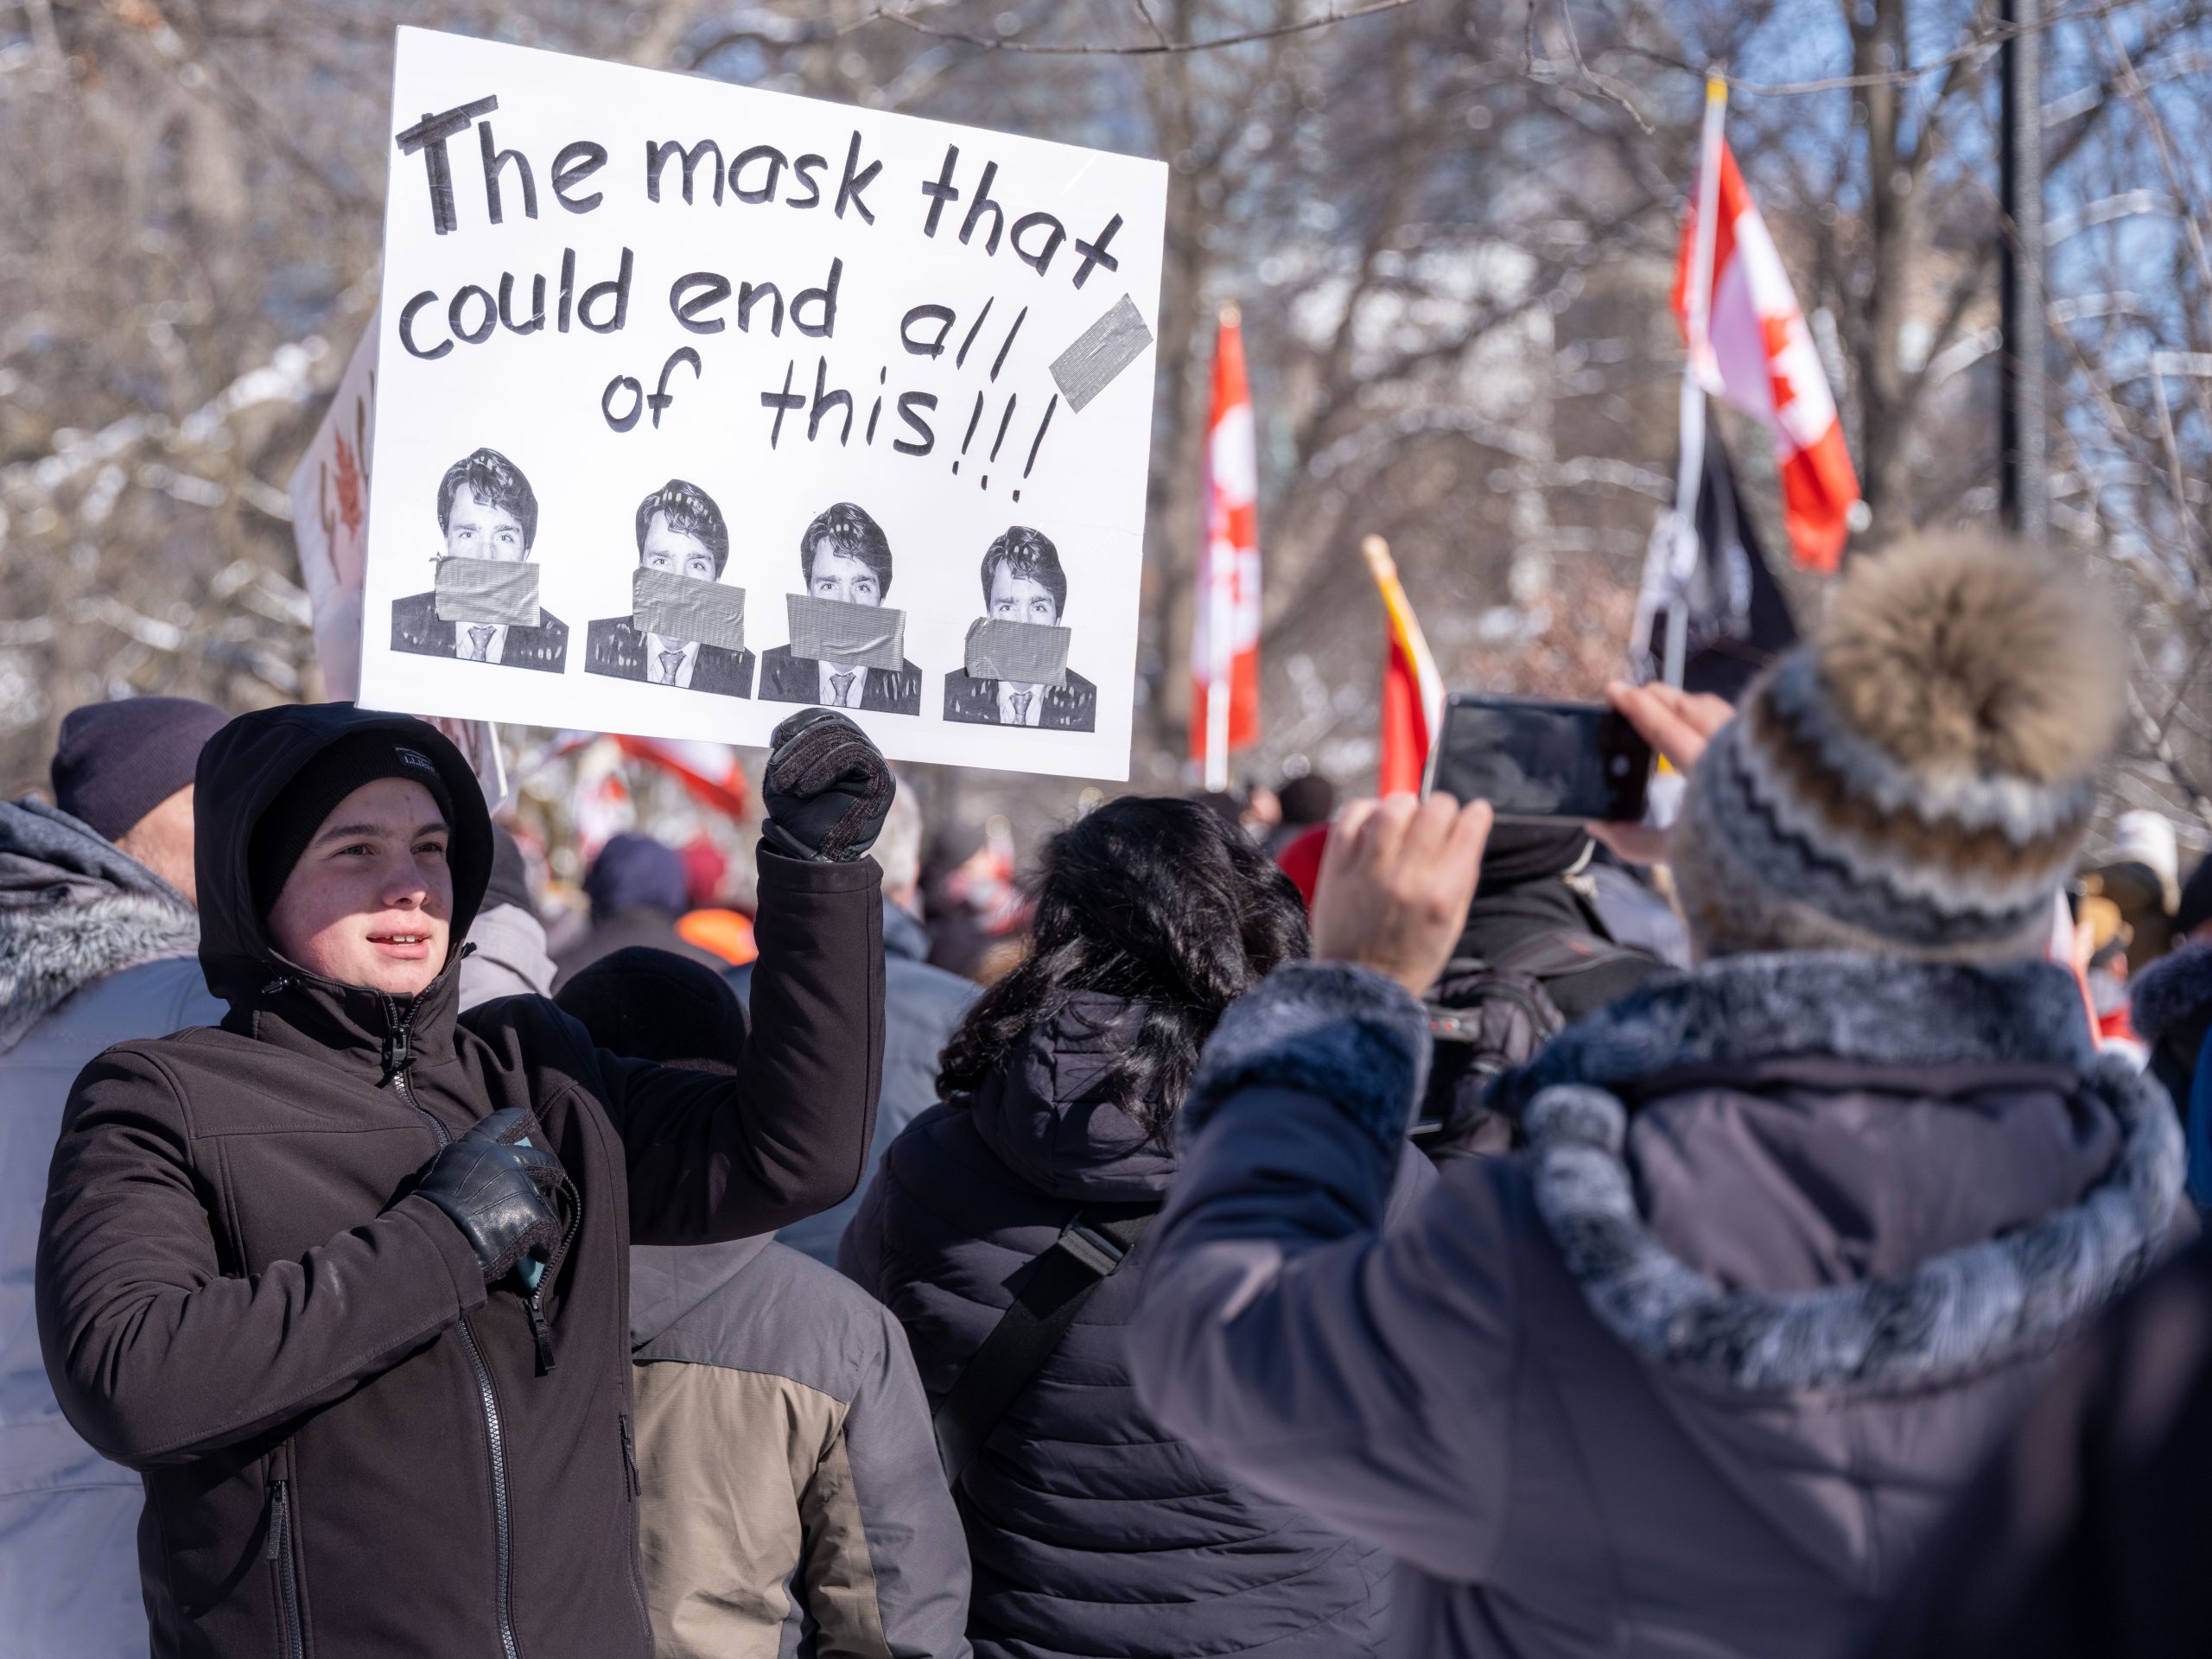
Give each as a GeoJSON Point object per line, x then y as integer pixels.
{"type": "Point", "coordinates": [1739, 620]}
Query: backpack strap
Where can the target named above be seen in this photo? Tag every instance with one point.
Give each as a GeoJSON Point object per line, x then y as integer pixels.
{"type": "Point", "coordinates": [1562, 953]}
{"type": "Point", "coordinates": [1086, 1254]}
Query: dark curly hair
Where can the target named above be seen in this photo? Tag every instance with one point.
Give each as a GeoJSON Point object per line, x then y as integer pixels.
{"type": "Point", "coordinates": [1029, 555]}
{"type": "Point", "coordinates": [1153, 900]}
{"type": "Point", "coordinates": [847, 529]}
{"type": "Point", "coordinates": [690, 511]}
{"type": "Point", "coordinates": [494, 481]}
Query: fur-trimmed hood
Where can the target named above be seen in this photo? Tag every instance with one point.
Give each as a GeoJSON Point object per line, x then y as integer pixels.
{"type": "Point", "coordinates": [1882, 1011]}
{"type": "Point", "coordinates": [1891, 1031]}
{"type": "Point", "coordinates": [73, 909]}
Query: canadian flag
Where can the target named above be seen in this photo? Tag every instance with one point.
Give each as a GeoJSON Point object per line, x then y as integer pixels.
{"type": "Point", "coordinates": [1749, 346]}
{"type": "Point", "coordinates": [1225, 639]}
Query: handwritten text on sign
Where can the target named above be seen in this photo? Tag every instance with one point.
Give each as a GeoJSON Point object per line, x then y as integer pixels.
{"type": "Point", "coordinates": [698, 403]}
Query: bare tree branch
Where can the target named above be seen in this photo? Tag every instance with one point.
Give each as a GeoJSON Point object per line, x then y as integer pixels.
{"type": "Point", "coordinates": [1162, 47]}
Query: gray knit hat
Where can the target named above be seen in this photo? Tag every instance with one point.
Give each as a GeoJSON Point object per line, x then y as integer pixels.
{"type": "Point", "coordinates": [1917, 780]}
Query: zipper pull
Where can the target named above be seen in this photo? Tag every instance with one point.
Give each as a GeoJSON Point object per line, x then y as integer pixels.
{"type": "Point", "coordinates": [277, 1522]}
{"type": "Point", "coordinates": [542, 1331]}
{"type": "Point", "coordinates": [395, 1051]}
{"type": "Point", "coordinates": [275, 986]}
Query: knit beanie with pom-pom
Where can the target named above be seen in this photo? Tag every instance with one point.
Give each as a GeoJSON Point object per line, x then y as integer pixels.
{"type": "Point", "coordinates": [1917, 780]}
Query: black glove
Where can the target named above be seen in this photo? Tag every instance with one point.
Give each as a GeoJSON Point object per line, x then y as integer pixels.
{"type": "Point", "coordinates": [498, 1194]}
{"type": "Point", "coordinates": [826, 787]}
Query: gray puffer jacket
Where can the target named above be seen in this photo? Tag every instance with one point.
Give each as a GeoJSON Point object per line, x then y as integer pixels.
{"type": "Point", "coordinates": [95, 949]}
{"type": "Point", "coordinates": [1794, 1238]}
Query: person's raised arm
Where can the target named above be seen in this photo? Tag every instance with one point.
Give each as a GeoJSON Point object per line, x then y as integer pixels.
{"type": "Point", "coordinates": [1283, 1330]}
{"type": "Point", "coordinates": [716, 1158]}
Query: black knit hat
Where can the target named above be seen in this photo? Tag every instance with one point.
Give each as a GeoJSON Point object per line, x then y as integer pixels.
{"type": "Point", "coordinates": [2196, 902]}
{"type": "Point", "coordinates": [117, 761]}
{"type": "Point", "coordinates": [291, 820]}
{"type": "Point", "coordinates": [655, 1005]}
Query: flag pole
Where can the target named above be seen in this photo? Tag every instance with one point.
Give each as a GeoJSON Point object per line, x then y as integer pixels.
{"type": "Point", "coordinates": [1690, 470]}
{"type": "Point", "coordinates": [1405, 630]}
{"type": "Point", "coordinates": [1221, 603]}
{"type": "Point", "coordinates": [1672, 553]}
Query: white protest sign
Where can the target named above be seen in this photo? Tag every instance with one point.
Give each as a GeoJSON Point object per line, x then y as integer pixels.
{"type": "Point", "coordinates": [330, 517]}
{"type": "Point", "coordinates": [698, 403]}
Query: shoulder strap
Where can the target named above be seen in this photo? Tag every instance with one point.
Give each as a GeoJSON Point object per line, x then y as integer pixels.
{"type": "Point", "coordinates": [1085, 1255]}
{"type": "Point", "coordinates": [1557, 954]}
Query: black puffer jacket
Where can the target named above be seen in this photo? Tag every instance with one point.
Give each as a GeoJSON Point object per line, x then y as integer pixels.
{"type": "Point", "coordinates": [349, 1444]}
{"type": "Point", "coordinates": [1091, 1530]}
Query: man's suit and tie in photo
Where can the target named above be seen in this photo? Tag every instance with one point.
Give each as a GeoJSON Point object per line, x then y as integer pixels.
{"type": "Point", "coordinates": [1023, 582]}
{"type": "Point", "coordinates": [487, 510]}
{"type": "Point", "coordinates": [843, 556]}
{"type": "Point", "coordinates": [681, 530]}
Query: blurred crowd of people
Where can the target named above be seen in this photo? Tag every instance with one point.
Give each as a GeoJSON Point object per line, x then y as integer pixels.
{"type": "Point", "coordinates": [1258, 1223]}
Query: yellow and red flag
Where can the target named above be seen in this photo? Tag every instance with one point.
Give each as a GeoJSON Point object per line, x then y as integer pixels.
{"type": "Point", "coordinates": [1412, 690]}
{"type": "Point", "coordinates": [1749, 346]}
{"type": "Point", "coordinates": [1225, 639]}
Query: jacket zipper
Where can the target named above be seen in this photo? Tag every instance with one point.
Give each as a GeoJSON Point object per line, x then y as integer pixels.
{"type": "Point", "coordinates": [280, 1550]}
{"type": "Point", "coordinates": [630, 1457]}
{"type": "Point", "coordinates": [396, 1059]}
{"type": "Point", "coordinates": [637, 1492]}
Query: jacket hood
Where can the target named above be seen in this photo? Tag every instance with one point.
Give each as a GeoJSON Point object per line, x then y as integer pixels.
{"type": "Point", "coordinates": [1041, 1113]}
{"type": "Point", "coordinates": [2171, 992]}
{"type": "Point", "coordinates": [73, 908]}
{"type": "Point", "coordinates": [1898, 1035]}
{"type": "Point", "coordinates": [667, 1282]}
{"type": "Point", "coordinates": [243, 768]}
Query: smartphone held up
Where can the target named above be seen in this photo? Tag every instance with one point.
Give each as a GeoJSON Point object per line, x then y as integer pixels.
{"type": "Point", "coordinates": [1539, 758]}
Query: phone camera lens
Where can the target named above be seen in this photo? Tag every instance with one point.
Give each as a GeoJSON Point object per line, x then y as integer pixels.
{"type": "Point", "coordinates": [1620, 765]}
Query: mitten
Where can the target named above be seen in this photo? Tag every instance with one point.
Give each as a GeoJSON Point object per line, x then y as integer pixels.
{"type": "Point", "coordinates": [827, 788]}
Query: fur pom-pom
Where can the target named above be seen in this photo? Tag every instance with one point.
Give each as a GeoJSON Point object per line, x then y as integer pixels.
{"type": "Point", "coordinates": [1966, 654]}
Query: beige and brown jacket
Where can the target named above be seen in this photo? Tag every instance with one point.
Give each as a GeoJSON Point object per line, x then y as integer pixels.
{"type": "Point", "coordinates": [793, 1503]}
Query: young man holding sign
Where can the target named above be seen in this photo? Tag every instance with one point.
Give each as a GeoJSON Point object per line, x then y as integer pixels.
{"type": "Point", "coordinates": [345, 1278]}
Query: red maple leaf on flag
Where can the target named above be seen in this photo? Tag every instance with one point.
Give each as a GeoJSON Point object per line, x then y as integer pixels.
{"type": "Point", "coordinates": [1774, 334]}
{"type": "Point", "coordinates": [349, 489]}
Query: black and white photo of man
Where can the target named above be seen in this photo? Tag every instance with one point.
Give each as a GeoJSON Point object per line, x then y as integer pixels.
{"type": "Point", "coordinates": [680, 530]}
{"type": "Point", "coordinates": [844, 557]}
{"type": "Point", "coordinates": [487, 510]}
{"type": "Point", "coordinates": [1023, 582]}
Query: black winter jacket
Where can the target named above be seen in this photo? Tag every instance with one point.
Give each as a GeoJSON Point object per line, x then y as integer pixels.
{"type": "Point", "coordinates": [348, 1445]}
{"type": "Point", "coordinates": [1091, 1530]}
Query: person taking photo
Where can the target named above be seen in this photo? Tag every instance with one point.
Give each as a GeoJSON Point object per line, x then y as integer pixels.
{"type": "Point", "coordinates": [1794, 1236]}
